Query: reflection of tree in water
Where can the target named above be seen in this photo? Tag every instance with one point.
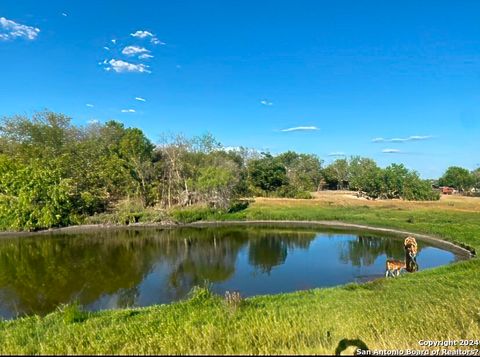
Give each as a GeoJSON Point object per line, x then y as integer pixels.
{"type": "Point", "coordinates": [127, 297]}
{"type": "Point", "coordinates": [45, 272]}
{"type": "Point", "coordinates": [267, 252]}
{"type": "Point", "coordinates": [270, 250]}
{"type": "Point", "coordinates": [364, 250]}
{"type": "Point", "coordinates": [37, 274]}
{"type": "Point", "coordinates": [203, 256]}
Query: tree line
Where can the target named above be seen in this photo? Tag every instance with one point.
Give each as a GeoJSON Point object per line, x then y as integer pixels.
{"type": "Point", "coordinates": [54, 173]}
{"type": "Point", "coordinates": [461, 179]}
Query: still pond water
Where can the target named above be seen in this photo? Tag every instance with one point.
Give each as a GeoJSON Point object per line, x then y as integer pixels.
{"type": "Point", "coordinates": [138, 267]}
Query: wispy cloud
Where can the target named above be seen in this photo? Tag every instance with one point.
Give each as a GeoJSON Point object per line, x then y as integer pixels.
{"type": "Point", "coordinates": [266, 102]}
{"type": "Point", "coordinates": [93, 121]}
{"type": "Point", "coordinates": [156, 41]}
{"type": "Point", "coordinates": [106, 48]}
{"type": "Point", "coordinates": [120, 66]}
{"type": "Point", "coordinates": [402, 140]}
{"type": "Point", "coordinates": [140, 99]}
{"type": "Point", "coordinates": [337, 153]}
{"type": "Point", "coordinates": [10, 30]}
{"type": "Point", "coordinates": [114, 41]}
{"type": "Point", "coordinates": [128, 110]}
{"type": "Point", "coordinates": [64, 14]}
{"type": "Point", "coordinates": [89, 105]}
{"type": "Point", "coordinates": [145, 56]}
{"type": "Point", "coordinates": [300, 128]}
{"type": "Point", "coordinates": [144, 34]}
{"type": "Point", "coordinates": [391, 151]}
{"type": "Point", "coordinates": [134, 50]}
{"type": "Point", "coordinates": [420, 137]}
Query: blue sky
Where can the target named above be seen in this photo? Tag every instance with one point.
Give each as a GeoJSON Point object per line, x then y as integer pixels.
{"type": "Point", "coordinates": [346, 72]}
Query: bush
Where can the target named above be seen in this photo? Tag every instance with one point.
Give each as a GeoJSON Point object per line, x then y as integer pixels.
{"type": "Point", "coordinates": [127, 212]}
{"type": "Point", "coordinates": [194, 214]}
{"type": "Point", "coordinates": [73, 313]}
{"type": "Point", "coordinates": [238, 206]}
{"type": "Point", "coordinates": [303, 195]}
{"type": "Point", "coordinates": [286, 191]}
{"type": "Point", "coordinates": [200, 295]}
{"type": "Point", "coordinates": [34, 196]}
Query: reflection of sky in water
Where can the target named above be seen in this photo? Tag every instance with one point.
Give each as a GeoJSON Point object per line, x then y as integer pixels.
{"type": "Point", "coordinates": [318, 266]}
{"type": "Point", "coordinates": [267, 263]}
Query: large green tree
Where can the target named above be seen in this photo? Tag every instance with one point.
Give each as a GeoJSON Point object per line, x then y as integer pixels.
{"type": "Point", "coordinates": [364, 175]}
{"type": "Point", "coordinates": [336, 175]}
{"type": "Point", "coordinates": [136, 151]}
{"type": "Point", "coordinates": [457, 177]}
{"type": "Point", "coordinates": [476, 176]}
{"type": "Point", "coordinates": [267, 174]}
{"type": "Point", "coordinates": [399, 182]}
{"type": "Point", "coordinates": [303, 170]}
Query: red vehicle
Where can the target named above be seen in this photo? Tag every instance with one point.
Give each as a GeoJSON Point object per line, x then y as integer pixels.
{"type": "Point", "coordinates": [447, 190]}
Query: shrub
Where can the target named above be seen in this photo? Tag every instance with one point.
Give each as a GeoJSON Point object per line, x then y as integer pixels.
{"type": "Point", "coordinates": [303, 195]}
{"type": "Point", "coordinates": [201, 294]}
{"type": "Point", "coordinates": [73, 313]}
{"type": "Point", "coordinates": [193, 214]}
{"type": "Point", "coordinates": [238, 206]}
{"type": "Point", "coordinates": [34, 196]}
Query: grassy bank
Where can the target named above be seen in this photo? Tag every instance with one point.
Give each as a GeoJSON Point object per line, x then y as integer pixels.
{"type": "Point", "coordinates": [437, 304]}
{"type": "Point", "coordinates": [453, 218]}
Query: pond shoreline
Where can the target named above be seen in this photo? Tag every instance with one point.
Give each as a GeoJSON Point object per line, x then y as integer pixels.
{"type": "Point", "coordinates": [456, 247]}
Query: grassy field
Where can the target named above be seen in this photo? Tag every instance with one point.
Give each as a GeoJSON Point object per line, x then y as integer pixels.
{"type": "Point", "coordinates": [436, 304]}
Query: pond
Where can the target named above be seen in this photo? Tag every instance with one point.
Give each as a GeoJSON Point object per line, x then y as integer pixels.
{"type": "Point", "coordinates": [108, 269]}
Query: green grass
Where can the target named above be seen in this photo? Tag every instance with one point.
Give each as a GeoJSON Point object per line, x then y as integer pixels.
{"type": "Point", "coordinates": [460, 227]}
{"type": "Point", "coordinates": [435, 304]}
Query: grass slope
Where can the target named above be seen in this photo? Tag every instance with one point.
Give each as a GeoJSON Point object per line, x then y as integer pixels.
{"type": "Point", "coordinates": [436, 304]}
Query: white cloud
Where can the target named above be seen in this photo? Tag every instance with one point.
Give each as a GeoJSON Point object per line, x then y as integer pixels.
{"type": "Point", "coordinates": [120, 66]}
{"type": "Point", "coordinates": [337, 153]}
{"type": "Point", "coordinates": [420, 137]}
{"type": "Point", "coordinates": [128, 110]}
{"type": "Point", "coordinates": [10, 30]}
{"type": "Point", "coordinates": [156, 41]}
{"type": "Point", "coordinates": [266, 102]}
{"type": "Point", "coordinates": [64, 14]}
{"type": "Point", "coordinates": [114, 41]}
{"type": "Point", "coordinates": [106, 48]}
{"type": "Point", "coordinates": [402, 140]}
{"type": "Point", "coordinates": [145, 56]}
{"type": "Point", "coordinates": [134, 50]}
{"type": "Point", "coordinates": [89, 105]}
{"type": "Point", "coordinates": [140, 99]}
{"type": "Point", "coordinates": [93, 121]}
{"type": "Point", "coordinates": [142, 34]}
{"type": "Point", "coordinates": [300, 128]}
{"type": "Point", "coordinates": [391, 151]}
